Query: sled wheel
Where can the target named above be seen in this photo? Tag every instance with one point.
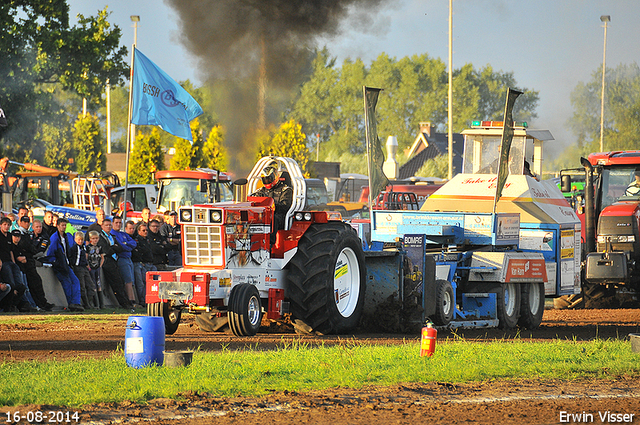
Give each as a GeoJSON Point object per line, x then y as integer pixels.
{"type": "Point", "coordinates": [445, 303]}
{"type": "Point", "coordinates": [170, 314]}
{"type": "Point", "coordinates": [326, 279]}
{"type": "Point", "coordinates": [508, 299]}
{"type": "Point", "coordinates": [531, 305]}
{"type": "Point", "coordinates": [245, 310]}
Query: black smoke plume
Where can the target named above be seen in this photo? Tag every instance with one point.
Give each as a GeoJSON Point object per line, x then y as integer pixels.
{"type": "Point", "coordinates": [226, 36]}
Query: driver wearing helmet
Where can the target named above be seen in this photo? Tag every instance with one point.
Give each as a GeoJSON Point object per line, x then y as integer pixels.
{"type": "Point", "coordinates": [276, 189]}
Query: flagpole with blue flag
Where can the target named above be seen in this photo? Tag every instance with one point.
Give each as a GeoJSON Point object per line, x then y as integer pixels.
{"type": "Point", "coordinates": [157, 99]}
{"type": "Point", "coordinates": [126, 172]}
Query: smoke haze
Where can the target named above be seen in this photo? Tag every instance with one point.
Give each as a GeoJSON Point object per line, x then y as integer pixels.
{"type": "Point", "coordinates": [227, 35]}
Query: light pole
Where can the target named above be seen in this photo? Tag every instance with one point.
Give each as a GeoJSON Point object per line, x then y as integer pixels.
{"type": "Point", "coordinates": [606, 19]}
{"type": "Point", "coordinates": [450, 94]}
{"type": "Point", "coordinates": [135, 19]}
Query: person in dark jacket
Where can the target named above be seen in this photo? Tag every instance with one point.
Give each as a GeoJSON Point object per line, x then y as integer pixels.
{"type": "Point", "coordinates": [80, 265]}
{"type": "Point", "coordinates": [282, 195]}
{"type": "Point", "coordinates": [125, 264]}
{"type": "Point", "coordinates": [142, 257]}
{"type": "Point", "coordinates": [158, 245]}
{"type": "Point", "coordinates": [48, 227]}
{"type": "Point", "coordinates": [110, 269]}
{"type": "Point", "coordinates": [172, 233]}
{"type": "Point", "coordinates": [24, 252]}
{"type": "Point", "coordinates": [58, 256]}
{"type": "Point", "coordinates": [95, 259]}
{"type": "Point", "coordinates": [97, 225]}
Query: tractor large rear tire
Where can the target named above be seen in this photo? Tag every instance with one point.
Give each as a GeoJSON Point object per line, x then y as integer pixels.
{"type": "Point", "coordinates": [326, 279]}
{"type": "Point", "coordinates": [508, 299]}
{"type": "Point", "coordinates": [171, 315]}
{"type": "Point", "coordinates": [531, 305]}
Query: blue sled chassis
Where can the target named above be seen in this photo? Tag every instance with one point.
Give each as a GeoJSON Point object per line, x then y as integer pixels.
{"type": "Point", "coordinates": [456, 269]}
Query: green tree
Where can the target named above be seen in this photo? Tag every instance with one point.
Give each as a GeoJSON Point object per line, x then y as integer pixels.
{"type": "Point", "coordinates": [414, 90]}
{"type": "Point", "coordinates": [621, 113]}
{"type": "Point", "coordinates": [39, 51]}
{"type": "Point", "coordinates": [88, 145]}
{"type": "Point", "coordinates": [181, 159]}
{"type": "Point", "coordinates": [289, 141]}
{"type": "Point", "coordinates": [189, 155]}
{"type": "Point", "coordinates": [435, 167]}
{"type": "Point", "coordinates": [58, 146]}
{"type": "Point", "coordinates": [215, 155]}
{"type": "Point", "coordinates": [147, 157]}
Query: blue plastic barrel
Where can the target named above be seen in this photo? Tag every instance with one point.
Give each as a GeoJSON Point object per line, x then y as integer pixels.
{"type": "Point", "coordinates": [144, 341]}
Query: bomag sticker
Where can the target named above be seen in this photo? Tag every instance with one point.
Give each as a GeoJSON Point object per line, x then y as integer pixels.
{"type": "Point", "coordinates": [341, 271]}
{"type": "Point", "coordinates": [225, 282]}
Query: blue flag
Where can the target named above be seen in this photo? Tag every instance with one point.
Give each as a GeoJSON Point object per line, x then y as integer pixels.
{"type": "Point", "coordinates": [158, 100]}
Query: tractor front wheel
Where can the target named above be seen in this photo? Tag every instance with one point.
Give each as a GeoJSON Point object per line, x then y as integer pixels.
{"type": "Point", "coordinates": [170, 314]}
{"type": "Point", "coordinates": [245, 310]}
{"type": "Point", "coordinates": [326, 279]}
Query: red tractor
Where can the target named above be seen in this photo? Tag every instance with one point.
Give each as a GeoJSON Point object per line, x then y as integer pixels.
{"type": "Point", "coordinates": [232, 271]}
{"type": "Point", "coordinates": [611, 228]}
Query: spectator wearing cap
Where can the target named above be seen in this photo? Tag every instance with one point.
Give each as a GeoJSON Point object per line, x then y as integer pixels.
{"type": "Point", "coordinates": [23, 252]}
{"type": "Point", "coordinates": [24, 225]}
{"type": "Point", "coordinates": [58, 256]}
{"type": "Point", "coordinates": [22, 212]}
{"type": "Point", "coordinates": [172, 233]}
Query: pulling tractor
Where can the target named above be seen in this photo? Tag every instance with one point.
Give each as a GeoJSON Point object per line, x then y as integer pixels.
{"type": "Point", "coordinates": [232, 270]}
{"type": "Point", "coordinates": [457, 261]}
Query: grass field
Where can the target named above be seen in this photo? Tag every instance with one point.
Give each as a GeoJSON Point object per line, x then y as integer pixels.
{"type": "Point", "coordinates": [297, 367]}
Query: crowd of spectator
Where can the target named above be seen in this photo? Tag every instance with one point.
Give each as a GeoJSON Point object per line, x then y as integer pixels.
{"type": "Point", "coordinates": [121, 253]}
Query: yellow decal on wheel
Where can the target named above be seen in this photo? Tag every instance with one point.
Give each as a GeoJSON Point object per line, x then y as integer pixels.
{"type": "Point", "coordinates": [341, 271]}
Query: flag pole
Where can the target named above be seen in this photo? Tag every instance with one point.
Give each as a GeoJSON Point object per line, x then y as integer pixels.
{"type": "Point", "coordinates": [126, 173]}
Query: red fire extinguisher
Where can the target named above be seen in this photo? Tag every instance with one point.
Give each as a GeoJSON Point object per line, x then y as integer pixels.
{"type": "Point", "coordinates": [428, 340]}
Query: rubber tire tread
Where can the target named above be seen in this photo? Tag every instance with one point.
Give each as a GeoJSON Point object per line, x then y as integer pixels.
{"type": "Point", "coordinates": [170, 327]}
{"type": "Point", "coordinates": [527, 319]}
{"type": "Point", "coordinates": [153, 309]}
{"type": "Point", "coordinates": [440, 318]}
{"type": "Point", "coordinates": [231, 309]}
{"type": "Point", "coordinates": [245, 293]}
{"type": "Point", "coordinates": [506, 321]}
{"type": "Point", "coordinates": [309, 286]}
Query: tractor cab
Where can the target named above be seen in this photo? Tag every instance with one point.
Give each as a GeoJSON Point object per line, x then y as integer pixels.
{"type": "Point", "coordinates": [291, 176]}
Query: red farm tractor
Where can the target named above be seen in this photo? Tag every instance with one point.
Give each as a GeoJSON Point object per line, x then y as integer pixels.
{"type": "Point", "coordinates": [232, 271]}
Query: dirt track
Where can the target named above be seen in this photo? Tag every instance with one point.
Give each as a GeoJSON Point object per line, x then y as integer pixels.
{"type": "Point", "coordinates": [529, 402]}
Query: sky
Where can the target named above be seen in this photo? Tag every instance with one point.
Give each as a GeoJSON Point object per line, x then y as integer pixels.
{"type": "Point", "coordinates": [548, 45]}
